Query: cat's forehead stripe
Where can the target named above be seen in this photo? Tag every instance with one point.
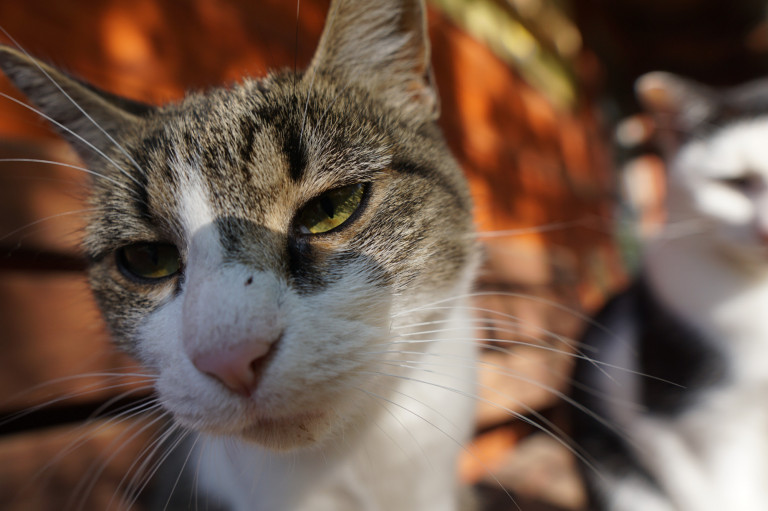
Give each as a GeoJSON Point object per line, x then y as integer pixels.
{"type": "Point", "coordinates": [296, 153]}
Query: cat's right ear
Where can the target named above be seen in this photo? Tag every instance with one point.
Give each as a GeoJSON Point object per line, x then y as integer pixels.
{"type": "Point", "coordinates": [85, 116]}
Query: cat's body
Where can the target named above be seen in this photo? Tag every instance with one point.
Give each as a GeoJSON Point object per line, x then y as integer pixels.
{"type": "Point", "coordinates": [291, 256]}
{"type": "Point", "coordinates": [686, 347]}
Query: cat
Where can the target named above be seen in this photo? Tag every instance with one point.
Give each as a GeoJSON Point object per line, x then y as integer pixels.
{"type": "Point", "coordinates": [272, 251]}
{"type": "Point", "coordinates": [675, 389]}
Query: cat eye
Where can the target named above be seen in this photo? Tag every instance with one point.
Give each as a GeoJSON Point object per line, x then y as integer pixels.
{"type": "Point", "coordinates": [149, 261]}
{"type": "Point", "coordinates": [745, 182]}
{"type": "Point", "coordinates": [330, 210]}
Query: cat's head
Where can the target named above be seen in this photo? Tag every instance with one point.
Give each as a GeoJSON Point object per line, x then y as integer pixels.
{"type": "Point", "coordinates": [716, 145]}
{"type": "Point", "coordinates": [254, 245]}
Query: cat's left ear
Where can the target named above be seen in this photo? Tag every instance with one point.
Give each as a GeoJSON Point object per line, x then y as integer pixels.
{"type": "Point", "coordinates": [674, 99]}
{"type": "Point", "coordinates": [678, 106]}
{"type": "Point", "coordinates": [382, 45]}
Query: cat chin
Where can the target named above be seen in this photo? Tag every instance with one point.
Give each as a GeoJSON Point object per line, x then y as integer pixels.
{"type": "Point", "coordinates": [751, 259]}
{"type": "Point", "coordinates": [289, 433]}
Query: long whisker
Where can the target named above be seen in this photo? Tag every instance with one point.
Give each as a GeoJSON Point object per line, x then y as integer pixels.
{"type": "Point", "coordinates": [93, 388]}
{"type": "Point", "coordinates": [587, 319]}
{"type": "Point", "coordinates": [504, 371]}
{"type": "Point", "coordinates": [530, 337]}
{"type": "Point", "coordinates": [404, 428]}
{"type": "Point", "coordinates": [114, 373]}
{"type": "Point", "coordinates": [587, 222]}
{"type": "Point", "coordinates": [83, 437]}
{"type": "Point", "coordinates": [77, 105]}
{"type": "Point", "coordinates": [450, 437]}
{"type": "Point", "coordinates": [100, 426]}
{"type": "Point", "coordinates": [181, 470]}
{"type": "Point", "coordinates": [505, 294]}
{"type": "Point", "coordinates": [73, 133]}
{"type": "Point", "coordinates": [554, 432]}
{"type": "Point", "coordinates": [69, 166]}
{"type": "Point", "coordinates": [95, 471]}
{"type": "Point", "coordinates": [578, 356]}
{"type": "Point", "coordinates": [148, 460]}
{"type": "Point", "coordinates": [568, 342]}
{"type": "Point", "coordinates": [46, 219]}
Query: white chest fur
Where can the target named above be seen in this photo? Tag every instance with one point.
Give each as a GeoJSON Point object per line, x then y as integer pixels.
{"type": "Point", "coordinates": [714, 455]}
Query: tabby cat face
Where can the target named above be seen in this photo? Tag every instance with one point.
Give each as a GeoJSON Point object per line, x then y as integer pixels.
{"type": "Point", "coordinates": [255, 245]}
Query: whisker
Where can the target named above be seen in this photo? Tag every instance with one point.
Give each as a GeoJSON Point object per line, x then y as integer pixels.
{"type": "Point", "coordinates": [450, 437]}
{"type": "Point", "coordinates": [46, 219]}
{"type": "Point", "coordinates": [91, 389]}
{"type": "Point", "coordinates": [506, 351]}
{"type": "Point", "coordinates": [586, 221]}
{"type": "Point", "coordinates": [148, 460]}
{"type": "Point", "coordinates": [83, 437]}
{"type": "Point", "coordinates": [503, 371]}
{"type": "Point", "coordinates": [538, 342]}
{"type": "Point", "coordinates": [71, 132]}
{"type": "Point", "coordinates": [555, 432]}
{"type": "Point", "coordinates": [585, 318]}
{"type": "Point", "coordinates": [114, 373]}
{"type": "Point", "coordinates": [81, 109]}
{"type": "Point", "coordinates": [69, 166]}
{"type": "Point", "coordinates": [84, 489]}
{"type": "Point", "coordinates": [505, 294]}
{"type": "Point", "coordinates": [181, 469]}
{"type": "Point", "coordinates": [407, 431]}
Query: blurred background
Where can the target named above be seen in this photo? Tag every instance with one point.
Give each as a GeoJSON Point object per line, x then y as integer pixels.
{"type": "Point", "coordinates": [532, 94]}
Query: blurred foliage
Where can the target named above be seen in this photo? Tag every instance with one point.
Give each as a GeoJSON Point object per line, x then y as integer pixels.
{"type": "Point", "coordinates": [536, 37]}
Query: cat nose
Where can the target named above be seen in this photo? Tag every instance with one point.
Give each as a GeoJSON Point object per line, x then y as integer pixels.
{"type": "Point", "coordinates": [238, 367]}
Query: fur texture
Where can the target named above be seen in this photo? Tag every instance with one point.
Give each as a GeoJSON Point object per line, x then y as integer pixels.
{"type": "Point", "coordinates": [337, 414]}
{"type": "Point", "coordinates": [687, 430]}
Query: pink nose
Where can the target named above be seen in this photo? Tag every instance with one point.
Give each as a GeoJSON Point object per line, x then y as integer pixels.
{"type": "Point", "coordinates": [238, 367]}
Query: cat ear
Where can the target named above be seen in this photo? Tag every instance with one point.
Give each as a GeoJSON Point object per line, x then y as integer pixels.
{"type": "Point", "coordinates": [676, 104]}
{"type": "Point", "coordinates": [672, 99]}
{"type": "Point", "coordinates": [85, 116]}
{"type": "Point", "coordinates": [383, 46]}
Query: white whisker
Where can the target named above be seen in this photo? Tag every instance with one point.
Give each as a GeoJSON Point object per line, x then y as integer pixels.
{"type": "Point", "coordinates": [85, 488]}
{"type": "Point", "coordinates": [69, 166]}
{"type": "Point", "coordinates": [82, 111]}
{"type": "Point", "coordinates": [71, 132]}
{"type": "Point", "coordinates": [450, 437]}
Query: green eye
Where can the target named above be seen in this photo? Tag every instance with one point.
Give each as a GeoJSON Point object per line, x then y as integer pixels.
{"type": "Point", "coordinates": [149, 261]}
{"type": "Point", "coordinates": [330, 210]}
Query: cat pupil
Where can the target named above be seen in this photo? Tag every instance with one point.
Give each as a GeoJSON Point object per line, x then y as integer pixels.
{"type": "Point", "coordinates": [327, 205]}
{"type": "Point", "coordinates": [331, 209]}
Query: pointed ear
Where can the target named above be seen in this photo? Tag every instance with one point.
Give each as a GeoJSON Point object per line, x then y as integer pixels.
{"type": "Point", "coordinates": [85, 116]}
{"type": "Point", "coordinates": [685, 102]}
{"type": "Point", "coordinates": [676, 104]}
{"type": "Point", "coordinates": [383, 46]}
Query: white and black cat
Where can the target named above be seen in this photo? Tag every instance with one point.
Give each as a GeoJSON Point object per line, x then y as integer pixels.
{"type": "Point", "coordinates": [273, 252]}
{"type": "Point", "coordinates": [688, 429]}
